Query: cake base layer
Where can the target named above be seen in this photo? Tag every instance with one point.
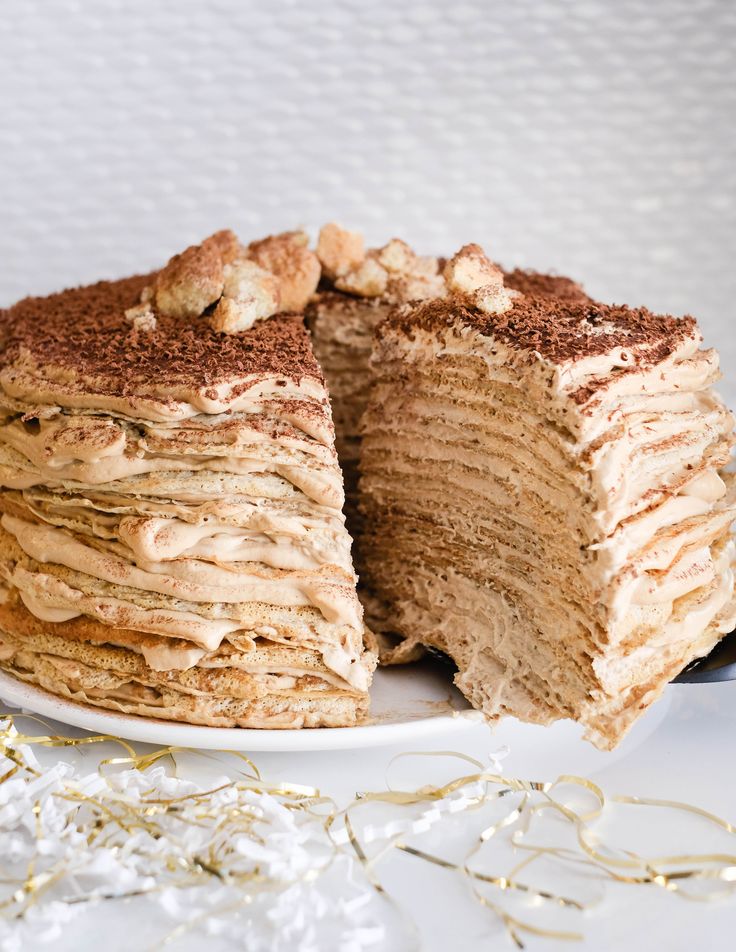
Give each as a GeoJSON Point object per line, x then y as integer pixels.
{"type": "Point", "coordinates": [267, 686]}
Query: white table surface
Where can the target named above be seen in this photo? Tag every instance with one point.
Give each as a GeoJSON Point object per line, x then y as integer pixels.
{"type": "Point", "coordinates": [682, 749]}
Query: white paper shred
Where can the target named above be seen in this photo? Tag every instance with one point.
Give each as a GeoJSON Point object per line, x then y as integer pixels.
{"type": "Point", "coordinates": [309, 894]}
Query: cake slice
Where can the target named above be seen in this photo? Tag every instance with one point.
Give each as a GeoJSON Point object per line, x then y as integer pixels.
{"type": "Point", "coordinates": [172, 540]}
{"type": "Point", "coordinates": [543, 496]}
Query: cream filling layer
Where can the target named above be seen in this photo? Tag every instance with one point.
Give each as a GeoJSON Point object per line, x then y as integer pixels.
{"type": "Point", "coordinates": [550, 384]}
{"type": "Point", "coordinates": [637, 445]}
{"type": "Point", "coordinates": [280, 679]}
{"type": "Point", "coordinates": [43, 594]}
{"type": "Point", "coordinates": [287, 543]}
{"type": "Point", "coordinates": [159, 540]}
{"type": "Point", "coordinates": [285, 518]}
{"type": "Point", "coordinates": [28, 383]}
{"type": "Point", "coordinates": [638, 455]}
{"type": "Point", "coordinates": [189, 579]}
{"type": "Point", "coordinates": [106, 456]}
{"type": "Point", "coordinates": [681, 629]}
{"type": "Point", "coordinates": [637, 450]}
{"type": "Point", "coordinates": [635, 564]}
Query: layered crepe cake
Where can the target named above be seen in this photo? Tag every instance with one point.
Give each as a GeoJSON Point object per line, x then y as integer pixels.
{"type": "Point", "coordinates": [544, 498]}
{"type": "Point", "coordinates": [172, 542]}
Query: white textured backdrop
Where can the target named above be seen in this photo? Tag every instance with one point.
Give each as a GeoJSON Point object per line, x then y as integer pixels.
{"type": "Point", "coordinates": [596, 138]}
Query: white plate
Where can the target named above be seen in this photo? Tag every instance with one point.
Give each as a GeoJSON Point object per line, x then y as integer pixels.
{"type": "Point", "coordinates": [406, 703]}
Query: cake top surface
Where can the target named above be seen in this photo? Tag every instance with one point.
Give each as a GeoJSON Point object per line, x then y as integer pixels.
{"type": "Point", "coordinates": [162, 326]}
{"type": "Point", "coordinates": [84, 330]}
{"type": "Point", "coordinates": [551, 319]}
{"type": "Point", "coordinates": [557, 329]}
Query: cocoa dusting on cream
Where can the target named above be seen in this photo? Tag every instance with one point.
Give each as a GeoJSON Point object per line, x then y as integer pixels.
{"type": "Point", "coordinates": [557, 329]}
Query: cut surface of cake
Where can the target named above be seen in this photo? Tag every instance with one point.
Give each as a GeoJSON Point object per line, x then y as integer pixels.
{"type": "Point", "coordinates": [172, 542]}
{"type": "Point", "coordinates": [544, 497]}
{"type": "Point", "coordinates": [359, 287]}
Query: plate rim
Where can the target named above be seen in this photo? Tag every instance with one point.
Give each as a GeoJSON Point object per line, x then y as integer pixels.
{"type": "Point", "coordinates": [24, 695]}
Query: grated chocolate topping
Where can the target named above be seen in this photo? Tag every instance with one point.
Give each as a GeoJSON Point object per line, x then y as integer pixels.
{"type": "Point", "coordinates": [534, 283]}
{"type": "Point", "coordinates": [84, 330]}
{"type": "Point", "coordinates": [348, 303]}
{"type": "Point", "coordinates": [559, 330]}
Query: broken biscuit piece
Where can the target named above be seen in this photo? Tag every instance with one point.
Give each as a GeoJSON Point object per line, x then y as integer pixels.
{"type": "Point", "coordinates": [250, 293]}
{"type": "Point", "coordinates": [289, 258]}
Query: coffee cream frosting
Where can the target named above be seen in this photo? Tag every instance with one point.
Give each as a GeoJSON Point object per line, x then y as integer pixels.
{"type": "Point", "coordinates": [544, 497]}
{"type": "Point", "coordinates": [171, 493]}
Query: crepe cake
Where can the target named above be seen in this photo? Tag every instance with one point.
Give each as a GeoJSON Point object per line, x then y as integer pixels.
{"type": "Point", "coordinates": [172, 542]}
{"type": "Point", "coordinates": [544, 496]}
{"type": "Point", "coordinates": [358, 288]}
